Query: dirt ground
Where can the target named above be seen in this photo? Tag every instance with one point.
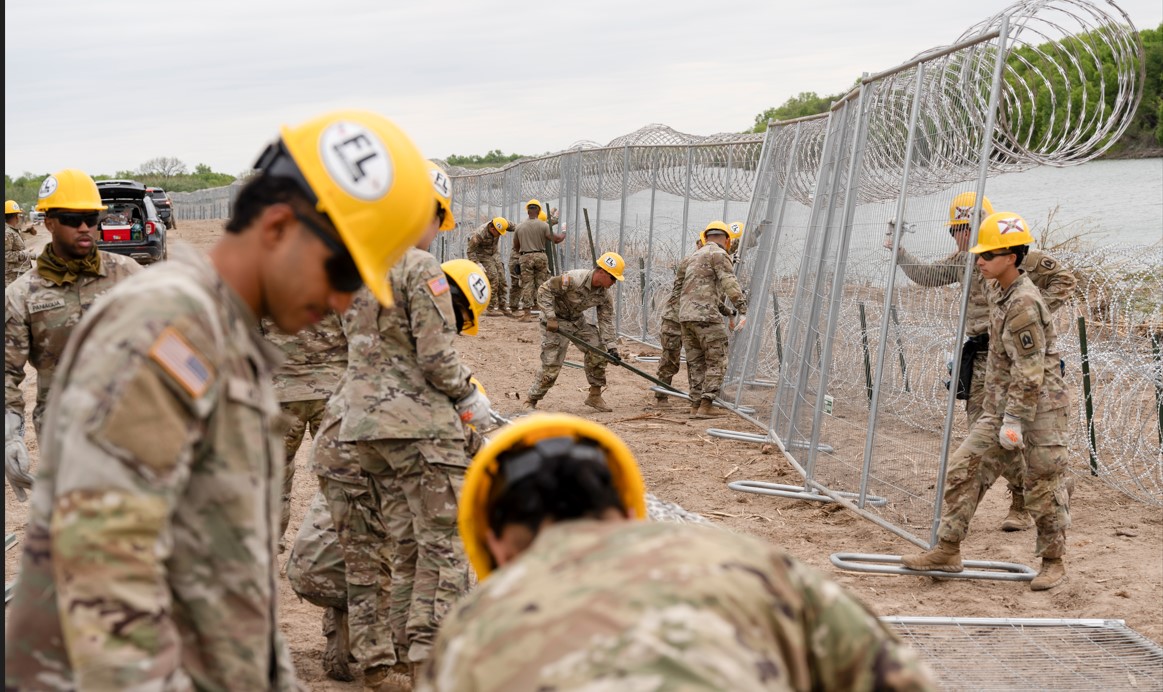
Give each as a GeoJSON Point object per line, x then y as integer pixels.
{"type": "Point", "coordinates": [1115, 546]}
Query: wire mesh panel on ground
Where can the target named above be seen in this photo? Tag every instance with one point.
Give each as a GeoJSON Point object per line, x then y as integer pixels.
{"type": "Point", "coordinates": [1033, 653]}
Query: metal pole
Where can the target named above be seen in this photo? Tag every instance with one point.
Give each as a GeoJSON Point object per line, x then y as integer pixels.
{"type": "Point", "coordinates": [727, 186]}
{"type": "Point", "coordinates": [982, 170]}
{"type": "Point", "coordinates": [601, 193]}
{"type": "Point", "coordinates": [1087, 394]}
{"type": "Point", "coordinates": [618, 307]}
{"type": "Point", "coordinates": [874, 404]}
{"type": "Point", "coordinates": [686, 200]}
{"type": "Point", "coordinates": [650, 241]}
{"type": "Point", "coordinates": [1156, 348]}
{"type": "Point", "coordinates": [864, 343]}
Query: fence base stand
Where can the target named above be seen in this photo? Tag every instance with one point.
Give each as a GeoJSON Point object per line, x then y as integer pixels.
{"type": "Point", "coordinates": [975, 569]}
{"type": "Point", "coordinates": [687, 397]}
{"type": "Point", "coordinates": [763, 439]}
{"type": "Point", "coordinates": [9, 541]}
{"type": "Point", "coordinates": [798, 492]}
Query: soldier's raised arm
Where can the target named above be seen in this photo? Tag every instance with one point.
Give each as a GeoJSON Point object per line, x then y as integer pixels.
{"type": "Point", "coordinates": [940, 273]}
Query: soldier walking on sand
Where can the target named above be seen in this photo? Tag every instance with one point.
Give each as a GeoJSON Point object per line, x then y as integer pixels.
{"type": "Point", "coordinates": [313, 361]}
{"type": "Point", "coordinates": [1056, 283]}
{"type": "Point", "coordinates": [483, 247]}
{"type": "Point", "coordinates": [563, 301]}
{"type": "Point", "coordinates": [1023, 428]}
{"type": "Point", "coordinates": [670, 332]}
{"type": "Point", "coordinates": [706, 280]}
{"type": "Point", "coordinates": [161, 462]}
{"type": "Point", "coordinates": [531, 238]}
{"type": "Point", "coordinates": [42, 307]}
{"type": "Point", "coordinates": [577, 592]}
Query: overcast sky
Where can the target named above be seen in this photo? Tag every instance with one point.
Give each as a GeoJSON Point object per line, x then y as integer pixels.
{"type": "Point", "coordinates": [105, 86]}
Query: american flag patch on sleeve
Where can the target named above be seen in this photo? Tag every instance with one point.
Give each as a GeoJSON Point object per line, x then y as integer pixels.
{"type": "Point", "coordinates": [438, 286]}
{"type": "Point", "coordinates": [182, 362]}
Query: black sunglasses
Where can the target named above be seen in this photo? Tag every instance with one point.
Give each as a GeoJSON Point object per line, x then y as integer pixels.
{"type": "Point", "coordinates": [342, 273]}
{"type": "Point", "coordinates": [954, 230]}
{"type": "Point", "coordinates": [990, 254]}
{"type": "Point", "coordinates": [74, 219]}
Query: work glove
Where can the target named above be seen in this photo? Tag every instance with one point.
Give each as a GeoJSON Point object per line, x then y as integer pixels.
{"type": "Point", "coordinates": [613, 351]}
{"type": "Point", "coordinates": [474, 410]}
{"type": "Point", "coordinates": [1010, 435]}
{"type": "Point", "coordinates": [16, 465]}
{"type": "Point", "coordinates": [736, 323]}
{"type": "Point", "coordinates": [888, 241]}
{"type": "Point", "coordinates": [551, 324]}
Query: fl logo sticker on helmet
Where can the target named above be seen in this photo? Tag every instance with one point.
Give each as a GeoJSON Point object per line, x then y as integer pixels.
{"type": "Point", "coordinates": [479, 288]}
{"type": "Point", "coordinates": [1010, 225]}
{"type": "Point", "coordinates": [610, 262]}
{"type": "Point", "coordinates": [48, 187]}
{"type": "Point", "coordinates": [442, 184]}
{"type": "Point", "coordinates": [962, 213]}
{"type": "Point", "coordinates": [356, 160]}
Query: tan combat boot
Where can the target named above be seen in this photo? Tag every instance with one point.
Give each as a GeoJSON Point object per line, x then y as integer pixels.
{"type": "Point", "coordinates": [530, 404]}
{"type": "Point", "coordinates": [394, 678]}
{"type": "Point", "coordinates": [694, 408]}
{"type": "Point", "coordinates": [661, 401]}
{"type": "Point", "coordinates": [706, 410]}
{"type": "Point", "coordinates": [946, 557]}
{"type": "Point", "coordinates": [594, 400]}
{"type": "Point", "coordinates": [338, 649]}
{"type": "Point", "coordinates": [1018, 519]}
{"type": "Point", "coordinates": [1053, 573]}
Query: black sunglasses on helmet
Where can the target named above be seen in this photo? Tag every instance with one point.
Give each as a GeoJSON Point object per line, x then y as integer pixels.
{"type": "Point", "coordinates": [74, 219]}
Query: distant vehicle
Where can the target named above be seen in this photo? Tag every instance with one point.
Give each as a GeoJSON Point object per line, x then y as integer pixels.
{"type": "Point", "coordinates": [165, 206]}
{"type": "Point", "coordinates": [130, 225]}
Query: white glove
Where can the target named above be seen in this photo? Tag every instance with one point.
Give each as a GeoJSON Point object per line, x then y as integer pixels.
{"type": "Point", "coordinates": [736, 323]}
{"type": "Point", "coordinates": [474, 410]}
{"type": "Point", "coordinates": [1010, 435]}
{"type": "Point", "coordinates": [888, 240]}
{"type": "Point", "coordinates": [16, 465]}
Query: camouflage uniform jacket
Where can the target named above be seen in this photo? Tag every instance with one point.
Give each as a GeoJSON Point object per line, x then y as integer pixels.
{"type": "Point", "coordinates": [482, 244]}
{"type": "Point", "coordinates": [670, 309]}
{"type": "Point", "coordinates": [313, 360]}
{"type": "Point", "coordinates": [403, 371]}
{"type": "Point", "coordinates": [708, 277]}
{"type": "Point", "coordinates": [39, 316]}
{"type": "Point", "coordinates": [1022, 375]}
{"type": "Point", "coordinates": [568, 296]}
{"type": "Point", "coordinates": [663, 606]}
{"type": "Point", "coordinates": [16, 258]}
{"type": "Point", "coordinates": [150, 556]}
{"type": "Point", "coordinates": [1054, 280]}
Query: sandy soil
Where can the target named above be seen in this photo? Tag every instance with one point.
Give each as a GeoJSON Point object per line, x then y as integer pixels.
{"type": "Point", "coordinates": [1115, 547]}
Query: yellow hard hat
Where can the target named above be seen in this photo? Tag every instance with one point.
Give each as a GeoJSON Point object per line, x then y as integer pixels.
{"type": "Point", "coordinates": [11, 207]}
{"type": "Point", "coordinates": [442, 185]}
{"type": "Point", "coordinates": [485, 469]}
{"type": "Point", "coordinates": [613, 263]}
{"type": "Point", "coordinates": [961, 208]}
{"type": "Point", "coordinates": [735, 230]}
{"type": "Point", "coordinates": [533, 203]}
{"type": "Point", "coordinates": [542, 216]}
{"type": "Point", "coordinates": [470, 280]}
{"type": "Point", "coordinates": [715, 226]}
{"type": "Point", "coordinates": [370, 180]}
{"type": "Point", "coordinates": [477, 383]}
{"type": "Point", "coordinates": [69, 189]}
{"type": "Point", "coordinates": [1002, 229]}
{"type": "Point", "coordinates": [501, 224]}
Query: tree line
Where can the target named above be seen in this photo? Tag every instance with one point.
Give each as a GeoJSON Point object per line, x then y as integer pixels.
{"type": "Point", "coordinates": [1145, 132]}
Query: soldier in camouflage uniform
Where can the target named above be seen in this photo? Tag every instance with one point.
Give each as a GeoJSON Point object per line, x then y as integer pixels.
{"type": "Point", "coordinates": [563, 301]}
{"type": "Point", "coordinates": [576, 593]}
{"type": "Point", "coordinates": [1023, 390]}
{"type": "Point", "coordinates": [670, 333]}
{"type": "Point", "coordinates": [530, 241]}
{"type": "Point", "coordinates": [313, 361]}
{"type": "Point", "coordinates": [1055, 281]}
{"type": "Point", "coordinates": [484, 249]}
{"type": "Point", "coordinates": [706, 280]}
{"type": "Point", "coordinates": [17, 259]}
{"type": "Point", "coordinates": [160, 469]}
{"type": "Point", "coordinates": [42, 307]}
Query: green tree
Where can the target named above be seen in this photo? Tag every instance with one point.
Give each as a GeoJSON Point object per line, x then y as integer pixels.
{"type": "Point", "coordinates": [806, 103]}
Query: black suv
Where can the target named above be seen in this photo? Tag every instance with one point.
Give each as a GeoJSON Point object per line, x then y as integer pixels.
{"type": "Point", "coordinates": [130, 225]}
{"type": "Point", "coordinates": [165, 206]}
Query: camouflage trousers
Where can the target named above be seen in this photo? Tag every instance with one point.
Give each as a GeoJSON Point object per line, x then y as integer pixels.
{"type": "Point", "coordinates": [355, 508]}
{"type": "Point", "coordinates": [300, 415]}
{"type": "Point", "coordinates": [534, 272]}
{"type": "Point", "coordinates": [495, 273]}
{"type": "Point", "coordinates": [418, 483]}
{"type": "Point", "coordinates": [973, 411]}
{"type": "Point", "coordinates": [1042, 464]}
{"type": "Point", "coordinates": [515, 281]}
{"type": "Point", "coordinates": [670, 336]}
{"type": "Point", "coordinates": [315, 567]}
{"type": "Point", "coordinates": [553, 349]}
{"type": "Point", "coordinates": [706, 357]}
